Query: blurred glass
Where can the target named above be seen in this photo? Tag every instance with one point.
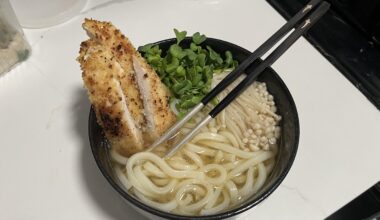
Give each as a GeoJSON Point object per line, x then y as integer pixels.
{"type": "Point", "coordinates": [13, 46]}
{"type": "Point", "coordinates": [46, 13]}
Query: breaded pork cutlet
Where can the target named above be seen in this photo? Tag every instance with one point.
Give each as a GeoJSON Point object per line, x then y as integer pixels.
{"type": "Point", "coordinates": [131, 103]}
{"type": "Point", "coordinates": [122, 50]}
{"type": "Point", "coordinates": [100, 76]}
{"type": "Point", "coordinates": [155, 97]}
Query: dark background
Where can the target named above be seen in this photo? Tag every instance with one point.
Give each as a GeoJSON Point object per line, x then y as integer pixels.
{"type": "Point", "coordinates": [348, 35]}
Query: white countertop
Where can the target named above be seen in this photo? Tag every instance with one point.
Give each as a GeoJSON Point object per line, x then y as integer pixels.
{"type": "Point", "coordinates": [48, 172]}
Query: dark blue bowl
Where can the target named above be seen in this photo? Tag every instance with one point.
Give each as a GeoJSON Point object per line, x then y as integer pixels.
{"type": "Point", "coordinates": [287, 147]}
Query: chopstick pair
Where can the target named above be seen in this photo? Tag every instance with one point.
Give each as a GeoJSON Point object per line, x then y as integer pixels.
{"type": "Point", "coordinates": [301, 25]}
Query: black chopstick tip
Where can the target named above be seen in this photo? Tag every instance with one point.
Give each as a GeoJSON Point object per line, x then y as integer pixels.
{"type": "Point", "coordinates": [312, 4]}
{"type": "Point", "coordinates": [318, 13]}
{"type": "Point", "coordinates": [307, 8]}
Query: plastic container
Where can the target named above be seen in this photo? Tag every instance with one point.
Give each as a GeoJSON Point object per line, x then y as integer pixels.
{"type": "Point", "coordinates": [13, 46]}
{"type": "Point", "coordinates": [46, 13]}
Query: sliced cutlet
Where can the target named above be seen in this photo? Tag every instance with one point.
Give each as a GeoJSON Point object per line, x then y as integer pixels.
{"type": "Point", "coordinates": [100, 76]}
{"type": "Point", "coordinates": [121, 48]}
{"type": "Point", "coordinates": [155, 95]}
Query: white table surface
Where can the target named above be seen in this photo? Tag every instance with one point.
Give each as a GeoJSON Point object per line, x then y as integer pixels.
{"type": "Point", "coordinates": [46, 167]}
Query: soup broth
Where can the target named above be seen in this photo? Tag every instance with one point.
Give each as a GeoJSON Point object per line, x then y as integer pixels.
{"type": "Point", "coordinates": [227, 162]}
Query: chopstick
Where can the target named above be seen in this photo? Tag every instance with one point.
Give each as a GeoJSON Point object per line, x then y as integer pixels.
{"type": "Point", "coordinates": [249, 79]}
{"type": "Point", "coordinates": [260, 51]}
{"type": "Point", "coordinates": [251, 75]}
{"type": "Point", "coordinates": [238, 71]}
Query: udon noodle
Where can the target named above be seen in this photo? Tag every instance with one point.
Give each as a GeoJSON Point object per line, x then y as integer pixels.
{"type": "Point", "coordinates": [224, 164]}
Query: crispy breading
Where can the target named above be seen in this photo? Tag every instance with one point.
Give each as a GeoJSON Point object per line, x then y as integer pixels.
{"type": "Point", "coordinates": [130, 101]}
{"type": "Point", "coordinates": [100, 76]}
{"type": "Point", "coordinates": [155, 97]}
{"type": "Point", "coordinates": [122, 50]}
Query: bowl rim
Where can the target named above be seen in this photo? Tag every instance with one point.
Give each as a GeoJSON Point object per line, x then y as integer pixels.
{"type": "Point", "coordinates": [229, 213]}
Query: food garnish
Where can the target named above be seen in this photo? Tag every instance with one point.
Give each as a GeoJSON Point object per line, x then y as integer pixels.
{"type": "Point", "coordinates": [187, 70]}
